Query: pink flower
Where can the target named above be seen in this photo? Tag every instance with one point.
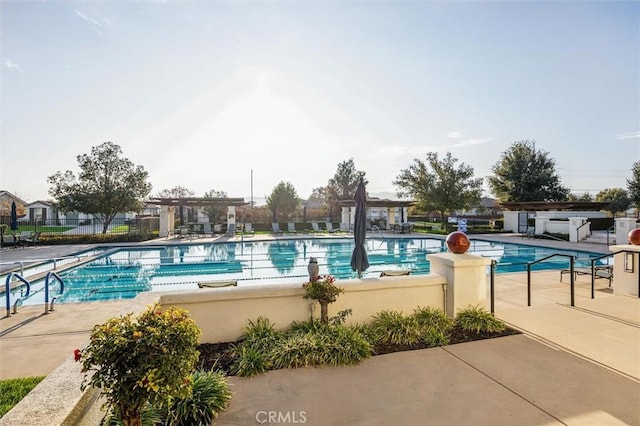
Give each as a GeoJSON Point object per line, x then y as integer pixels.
{"type": "Point", "coordinates": [77, 354]}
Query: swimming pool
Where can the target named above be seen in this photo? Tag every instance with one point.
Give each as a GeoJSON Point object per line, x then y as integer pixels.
{"type": "Point", "coordinates": [120, 273]}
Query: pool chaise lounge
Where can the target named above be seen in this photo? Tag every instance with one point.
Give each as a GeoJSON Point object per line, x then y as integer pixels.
{"type": "Point", "coordinates": [600, 272]}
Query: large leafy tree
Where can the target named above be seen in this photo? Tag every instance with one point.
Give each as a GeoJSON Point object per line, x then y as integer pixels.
{"type": "Point", "coordinates": [342, 186]}
{"type": "Point", "coordinates": [283, 200]}
{"type": "Point", "coordinates": [633, 185]}
{"type": "Point", "coordinates": [617, 198]}
{"type": "Point", "coordinates": [107, 184]}
{"type": "Point", "coordinates": [524, 173]}
{"type": "Point", "coordinates": [176, 192]}
{"type": "Point", "coordinates": [579, 197]}
{"type": "Point", "coordinates": [215, 212]}
{"type": "Point", "coordinates": [440, 185]}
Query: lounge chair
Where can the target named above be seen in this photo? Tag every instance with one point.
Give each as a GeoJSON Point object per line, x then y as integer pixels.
{"type": "Point", "coordinates": [329, 227]}
{"type": "Point", "coordinates": [275, 228]}
{"type": "Point", "coordinates": [248, 229]}
{"type": "Point", "coordinates": [315, 227]}
{"type": "Point", "coordinates": [291, 228]}
{"type": "Point", "coordinates": [218, 284]}
{"type": "Point", "coordinates": [395, 273]}
{"type": "Point", "coordinates": [9, 240]}
{"type": "Point", "coordinates": [231, 229]}
{"type": "Point", "coordinates": [32, 240]}
{"type": "Point", "coordinates": [604, 272]}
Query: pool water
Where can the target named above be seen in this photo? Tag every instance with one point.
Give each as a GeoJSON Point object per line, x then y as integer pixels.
{"type": "Point", "coordinates": [125, 272]}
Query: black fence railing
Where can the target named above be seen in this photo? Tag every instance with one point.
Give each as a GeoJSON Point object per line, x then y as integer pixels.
{"type": "Point", "coordinates": [86, 226]}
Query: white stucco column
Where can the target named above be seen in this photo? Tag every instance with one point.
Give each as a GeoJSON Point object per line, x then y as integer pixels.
{"type": "Point", "coordinates": [231, 216]}
{"type": "Point", "coordinates": [167, 220]}
{"type": "Point", "coordinates": [466, 279]}
{"type": "Point", "coordinates": [577, 232]}
{"type": "Point", "coordinates": [541, 221]}
{"type": "Point", "coordinates": [624, 225]}
{"type": "Point", "coordinates": [345, 217]}
{"type": "Point", "coordinates": [626, 267]}
{"type": "Point", "coordinates": [391, 213]}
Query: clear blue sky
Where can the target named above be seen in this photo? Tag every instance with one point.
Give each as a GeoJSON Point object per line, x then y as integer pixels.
{"type": "Point", "coordinates": [201, 93]}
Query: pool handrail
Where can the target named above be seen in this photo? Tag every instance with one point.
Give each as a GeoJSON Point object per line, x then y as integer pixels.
{"type": "Point", "coordinates": [571, 269]}
{"type": "Point", "coordinates": [8, 292]}
{"type": "Point", "coordinates": [49, 307]}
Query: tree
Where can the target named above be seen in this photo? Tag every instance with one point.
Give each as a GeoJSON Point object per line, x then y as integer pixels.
{"type": "Point", "coordinates": [616, 197]}
{"type": "Point", "coordinates": [318, 194]}
{"type": "Point", "coordinates": [179, 192]}
{"type": "Point", "coordinates": [633, 185]}
{"type": "Point", "coordinates": [343, 184]}
{"type": "Point", "coordinates": [107, 184]}
{"type": "Point", "coordinates": [283, 199]}
{"type": "Point", "coordinates": [215, 212]}
{"type": "Point", "coordinates": [525, 174]}
{"type": "Point", "coordinates": [438, 185]}
{"type": "Point", "coordinates": [176, 192]}
{"type": "Point", "coordinates": [580, 197]}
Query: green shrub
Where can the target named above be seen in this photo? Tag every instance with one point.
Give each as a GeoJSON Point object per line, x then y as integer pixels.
{"type": "Point", "coordinates": [249, 362]}
{"type": "Point", "coordinates": [434, 337]}
{"type": "Point", "coordinates": [210, 395]}
{"type": "Point", "coordinates": [135, 361]}
{"type": "Point", "coordinates": [433, 318]}
{"type": "Point", "coordinates": [333, 344]}
{"type": "Point", "coordinates": [478, 320]}
{"type": "Point", "coordinates": [260, 335]}
{"type": "Point", "coordinates": [391, 327]}
{"type": "Point", "coordinates": [13, 390]}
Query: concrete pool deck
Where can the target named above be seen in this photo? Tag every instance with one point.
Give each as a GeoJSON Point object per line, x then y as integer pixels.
{"type": "Point", "coordinates": [573, 365]}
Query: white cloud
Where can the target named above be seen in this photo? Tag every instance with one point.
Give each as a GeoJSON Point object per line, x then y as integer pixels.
{"type": "Point", "coordinates": [454, 135]}
{"type": "Point", "coordinates": [630, 135]}
{"type": "Point", "coordinates": [473, 141]}
{"type": "Point", "coordinates": [12, 65]}
{"type": "Point", "coordinates": [87, 18]}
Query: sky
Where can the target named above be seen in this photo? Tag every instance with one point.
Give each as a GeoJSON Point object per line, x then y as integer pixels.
{"type": "Point", "coordinates": [239, 96]}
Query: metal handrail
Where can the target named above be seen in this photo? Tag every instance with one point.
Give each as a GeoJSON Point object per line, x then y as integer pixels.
{"type": "Point", "coordinates": [8, 292]}
{"type": "Point", "coordinates": [609, 229]}
{"type": "Point", "coordinates": [571, 269]}
{"type": "Point", "coordinates": [593, 273]}
{"type": "Point", "coordinates": [492, 282]}
{"type": "Point", "coordinates": [49, 307]}
{"type": "Point", "coordinates": [578, 231]}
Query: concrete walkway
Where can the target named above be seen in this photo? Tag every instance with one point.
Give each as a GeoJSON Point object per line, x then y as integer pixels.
{"type": "Point", "coordinates": [573, 365]}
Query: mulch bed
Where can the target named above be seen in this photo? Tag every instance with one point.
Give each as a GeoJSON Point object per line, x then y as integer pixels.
{"type": "Point", "coordinates": [216, 356]}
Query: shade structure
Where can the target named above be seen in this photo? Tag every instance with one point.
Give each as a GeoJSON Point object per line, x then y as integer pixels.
{"type": "Point", "coordinates": [359, 259]}
{"type": "Point", "coordinates": [14, 217]}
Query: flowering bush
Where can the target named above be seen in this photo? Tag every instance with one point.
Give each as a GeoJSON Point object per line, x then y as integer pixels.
{"type": "Point", "coordinates": [324, 291]}
{"type": "Point", "coordinates": [148, 359]}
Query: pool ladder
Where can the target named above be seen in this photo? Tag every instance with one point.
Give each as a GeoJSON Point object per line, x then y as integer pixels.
{"type": "Point", "coordinates": [24, 295]}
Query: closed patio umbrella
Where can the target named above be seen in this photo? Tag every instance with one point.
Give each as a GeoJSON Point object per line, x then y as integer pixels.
{"type": "Point", "coordinates": [14, 217]}
{"type": "Point", "coordinates": [359, 259]}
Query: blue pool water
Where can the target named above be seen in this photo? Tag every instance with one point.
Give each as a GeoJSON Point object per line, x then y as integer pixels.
{"type": "Point", "coordinates": [125, 272]}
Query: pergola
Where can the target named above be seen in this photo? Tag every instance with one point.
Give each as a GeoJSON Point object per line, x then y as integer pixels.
{"type": "Point", "coordinates": [167, 206]}
{"type": "Point", "coordinates": [348, 209]}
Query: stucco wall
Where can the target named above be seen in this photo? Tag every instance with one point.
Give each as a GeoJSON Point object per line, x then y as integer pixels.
{"type": "Point", "coordinates": [223, 313]}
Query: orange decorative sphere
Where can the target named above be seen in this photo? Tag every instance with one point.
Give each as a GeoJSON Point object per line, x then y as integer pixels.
{"type": "Point", "coordinates": [458, 242]}
{"type": "Point", "coordinates": [634, 236]}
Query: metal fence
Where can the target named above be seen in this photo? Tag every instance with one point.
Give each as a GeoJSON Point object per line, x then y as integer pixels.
{"type": "Point", "coordinates": [142, 225]}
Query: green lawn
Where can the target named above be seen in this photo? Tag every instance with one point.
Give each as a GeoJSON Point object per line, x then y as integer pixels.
{"type": "Point", "coordinates": [13, 390]}
{"type": "Point", "coordinates": [47, 229]}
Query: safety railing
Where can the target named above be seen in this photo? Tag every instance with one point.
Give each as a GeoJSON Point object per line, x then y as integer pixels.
{"type": "Point", "coordinates": [8, 289]}
{"type": "Point", "coordinates": [571, 270]}
{"type": "Point", "coordinates": [578, 231]}
{"type": "Point", "coordinates": [49, 306]}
